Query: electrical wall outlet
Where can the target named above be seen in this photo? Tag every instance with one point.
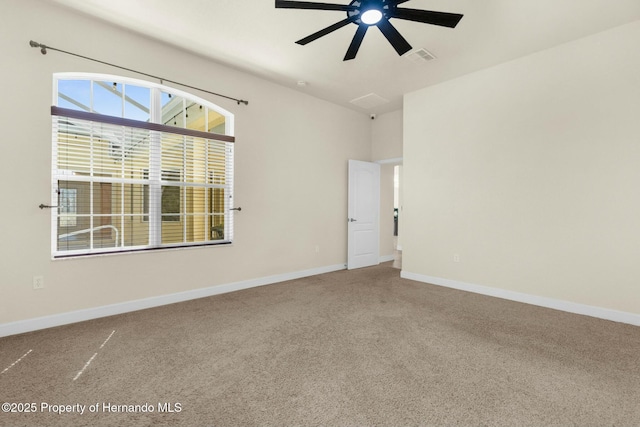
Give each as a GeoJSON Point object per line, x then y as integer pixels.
{"type": "Point", "coordinates": [38, 282]}
{"type": "Point", "coordinates": [317, 249]}
{"type": "Point", "coordinates": [456, 258]}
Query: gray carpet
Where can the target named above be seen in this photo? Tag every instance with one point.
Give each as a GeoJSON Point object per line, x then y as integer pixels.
{"type": "Point", "coordinates": [362, 347]}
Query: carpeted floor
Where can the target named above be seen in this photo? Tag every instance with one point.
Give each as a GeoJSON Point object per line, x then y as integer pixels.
{"type": "Point", "coordinates": [350, 348]}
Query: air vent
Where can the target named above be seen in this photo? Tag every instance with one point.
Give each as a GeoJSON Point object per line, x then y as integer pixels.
{"type": "Point", "coordinates": [421, 55]}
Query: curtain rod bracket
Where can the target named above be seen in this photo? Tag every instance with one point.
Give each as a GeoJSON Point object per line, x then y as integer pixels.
{"type": "Point", "coordinates": [43, 48]}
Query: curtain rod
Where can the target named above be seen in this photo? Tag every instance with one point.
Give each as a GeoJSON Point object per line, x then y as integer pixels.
{"type": "Point", "coordinates": [43, 50]}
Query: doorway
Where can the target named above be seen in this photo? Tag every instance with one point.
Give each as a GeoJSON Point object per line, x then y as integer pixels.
{"type": "Point", "coordinates": [397, 210]}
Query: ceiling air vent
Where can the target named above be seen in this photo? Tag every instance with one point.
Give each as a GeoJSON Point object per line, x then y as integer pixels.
{"type": "Point", "coordinates": [421, 55]}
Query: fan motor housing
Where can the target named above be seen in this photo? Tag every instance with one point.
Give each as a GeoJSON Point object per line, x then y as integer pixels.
{"type": "Point", "coordinates": [384, 6]}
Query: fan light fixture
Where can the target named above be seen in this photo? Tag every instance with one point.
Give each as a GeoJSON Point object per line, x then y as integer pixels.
{"type": "Point", "coordinates": [371, 16]}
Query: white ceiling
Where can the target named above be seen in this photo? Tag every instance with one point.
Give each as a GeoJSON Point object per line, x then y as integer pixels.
{"type": "Point", "coordinates": [254, 36]}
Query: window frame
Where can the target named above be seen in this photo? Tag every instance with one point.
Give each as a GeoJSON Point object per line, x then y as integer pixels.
{"type": "Point", "coordinates": [154, 240]}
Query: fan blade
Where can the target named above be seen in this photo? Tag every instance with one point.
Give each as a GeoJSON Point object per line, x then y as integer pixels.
{"type": "Point", "coordinates": [325, 31]}
{"type": "Point", "coordinates": [286, 4]}
{"type": "Point", "coordinates": [356, 42]}
{"type": "Point", "coordinates": [395, 38]}
{"type": "Point", "coordinates": [428, 17]}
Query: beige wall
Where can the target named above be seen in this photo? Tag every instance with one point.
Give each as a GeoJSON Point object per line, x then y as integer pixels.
{"type": "Point", "coordinates": [386, 211]}
{"type": "Point", "coordinates": [386, 136]}
{"type": "Point", "coordinates": [386, 145]}
{"type": "Point", "coordinates": [529, 171]}
{"type": "Point", "coordinates": [291, 172]}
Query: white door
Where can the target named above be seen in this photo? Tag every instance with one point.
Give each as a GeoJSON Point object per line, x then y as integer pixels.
{"type": "Point", "coordinates": [364, 213]}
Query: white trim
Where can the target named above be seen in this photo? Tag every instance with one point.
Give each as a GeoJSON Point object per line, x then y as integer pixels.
{"type": "Point", "coordinates": [556, 304]}
{"type": "Point", "coordinates": [386, 258]}
{"type": "Point", "coordinates": [396, 160]}
{"type": "Point", "coordinates": [38, 323]}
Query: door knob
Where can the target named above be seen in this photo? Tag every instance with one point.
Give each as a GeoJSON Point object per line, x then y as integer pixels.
{"type": "Point", "coordinates": [352, 220]}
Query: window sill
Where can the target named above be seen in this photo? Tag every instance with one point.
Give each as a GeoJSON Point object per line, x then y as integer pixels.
{"type": "Point", "coordinates": [140, 251]}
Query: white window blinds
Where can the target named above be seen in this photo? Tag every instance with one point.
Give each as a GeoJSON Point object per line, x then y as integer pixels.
{"type": "Point", "coordinates": [124, 185]}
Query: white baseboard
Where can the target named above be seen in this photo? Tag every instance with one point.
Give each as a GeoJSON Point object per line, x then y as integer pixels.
{"type": "Point", "coordinates": [38, 323]}
{"type": "Point", "coordinates": [386, 258]}
{"type": "Point", "coordinates": [571, 307]}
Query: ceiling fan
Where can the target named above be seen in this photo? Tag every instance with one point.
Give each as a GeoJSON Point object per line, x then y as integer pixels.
{"type": "Point", "coordinates": [367, 13]}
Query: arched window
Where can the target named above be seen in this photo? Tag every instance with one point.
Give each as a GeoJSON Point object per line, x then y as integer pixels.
{"type": "Point", "coordinates": [137, 165]}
